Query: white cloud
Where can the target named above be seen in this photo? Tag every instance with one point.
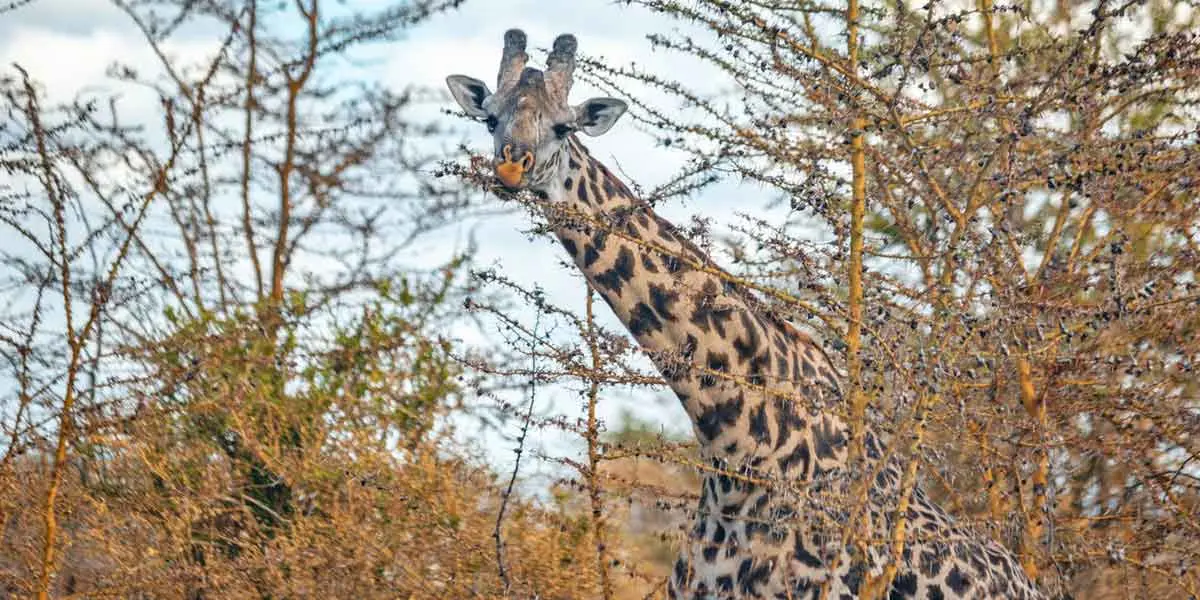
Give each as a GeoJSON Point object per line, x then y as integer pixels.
{"type": "Point", "coordinates": [67, 65]}
{"type": "Point", "coordinates": [74, 17]}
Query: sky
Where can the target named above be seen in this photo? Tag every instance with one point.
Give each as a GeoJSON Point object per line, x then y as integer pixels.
{"type": "Point", "coordinates": [67, 45]}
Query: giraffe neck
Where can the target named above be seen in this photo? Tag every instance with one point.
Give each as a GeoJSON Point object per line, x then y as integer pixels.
{"type": "Point", "coordinates": [758, 392]}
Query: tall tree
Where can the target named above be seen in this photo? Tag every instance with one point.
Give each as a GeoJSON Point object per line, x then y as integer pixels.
{"type": "Point", "coordinates": [1011, 192]}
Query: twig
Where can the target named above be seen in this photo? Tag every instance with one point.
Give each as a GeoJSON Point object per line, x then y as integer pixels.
{"type": "Point", "coordinates": [593, 434]}
{"type": "Point", "coordinates": [520, 450]}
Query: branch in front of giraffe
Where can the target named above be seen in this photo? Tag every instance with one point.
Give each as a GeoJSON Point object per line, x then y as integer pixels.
{"type": "Point", "coordinates": [477, 172]}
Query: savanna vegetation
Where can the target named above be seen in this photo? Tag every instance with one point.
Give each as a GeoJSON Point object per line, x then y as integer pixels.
{"type": "Point", "coordinates": [227, 372]}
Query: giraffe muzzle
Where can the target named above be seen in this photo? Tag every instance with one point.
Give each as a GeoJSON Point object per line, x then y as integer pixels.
{"type": "Point", "coordinates": [511, 172]}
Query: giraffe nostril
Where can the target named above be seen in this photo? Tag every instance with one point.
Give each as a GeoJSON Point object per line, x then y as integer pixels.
{"type": "Point", "coordinates": [527, 161]}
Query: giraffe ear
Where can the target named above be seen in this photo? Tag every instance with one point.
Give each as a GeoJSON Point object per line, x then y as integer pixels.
{"type": "Point", "coordinates": [597, 115]}
{"type": "Point", "coordinates": [470, 93]}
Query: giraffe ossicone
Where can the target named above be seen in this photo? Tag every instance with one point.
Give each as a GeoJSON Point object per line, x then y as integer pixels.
{"type": "Point", "coordinates": [761, 395]}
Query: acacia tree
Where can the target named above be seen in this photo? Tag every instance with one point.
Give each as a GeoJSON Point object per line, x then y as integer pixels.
{"type": "Point", "coordinates": [225, 362]}
{"type": "Point", "coordinates": [1010, 195]}
{"type": "Point", "coordinates": [226, 382]}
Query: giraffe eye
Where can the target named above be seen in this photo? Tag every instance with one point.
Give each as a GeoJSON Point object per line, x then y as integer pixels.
{"type": "Point", "coordinates": [492, 122]}
{"type": "Point", "coordinates": [562, 130]}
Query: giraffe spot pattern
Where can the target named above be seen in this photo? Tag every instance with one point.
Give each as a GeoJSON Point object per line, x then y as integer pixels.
{"type": "Point", "coordinates": [681, 315]}
{"type": "Point", "coordinates": [643, 320]}
{"type": "Point", "coordinates": [714, 418]}
{"type": "Point", "coordinates": [619, 274]}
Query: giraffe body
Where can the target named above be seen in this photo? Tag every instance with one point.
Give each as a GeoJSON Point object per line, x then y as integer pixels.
{"type": "Point", "coordinates": [759, 393]}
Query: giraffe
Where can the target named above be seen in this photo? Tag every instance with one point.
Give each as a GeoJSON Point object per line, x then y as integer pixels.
{"type": "Point", "coordinates": [760, 394]}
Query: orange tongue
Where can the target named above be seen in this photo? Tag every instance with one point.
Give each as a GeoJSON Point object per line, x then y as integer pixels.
{"type": "Point", "coordinates": [510, 173]}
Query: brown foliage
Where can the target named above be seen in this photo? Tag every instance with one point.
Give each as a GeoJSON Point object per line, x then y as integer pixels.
{"type": "Point", "coordinates": [1019, 180]}
{"type": "Point", "coordinates": [201, 413]}
{"type": "Point", "coordinates": [1029, 310]}
{"type": "Point", "coordinates": [416, 528]}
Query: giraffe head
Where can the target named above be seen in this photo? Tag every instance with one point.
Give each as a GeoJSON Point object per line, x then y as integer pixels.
{"type": "Point", "coordinates": [528, 115]}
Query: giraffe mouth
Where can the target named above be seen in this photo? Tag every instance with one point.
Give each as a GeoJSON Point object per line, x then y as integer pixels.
{"type": "Point", "coordinates": [510, 172]}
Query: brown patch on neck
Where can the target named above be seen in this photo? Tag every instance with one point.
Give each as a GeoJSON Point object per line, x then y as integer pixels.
{"type": "Point", "coordinates": [796, 335]}
{"type": "Point", "coordinates": [592, 183]}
